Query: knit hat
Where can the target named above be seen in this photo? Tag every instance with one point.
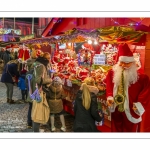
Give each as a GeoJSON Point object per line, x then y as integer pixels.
{"type": "Point", "coordinates": [57, 79]}
{"type": "Point", "coordinates": [125, 54]}
{"type": "Point", "coordinates": [8, 47]}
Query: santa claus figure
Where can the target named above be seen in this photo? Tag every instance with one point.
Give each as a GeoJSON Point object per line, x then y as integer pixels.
{"type": "Point", "coordinates": [128, 92]}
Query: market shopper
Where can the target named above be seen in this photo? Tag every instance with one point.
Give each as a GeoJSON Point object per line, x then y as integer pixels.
{"type": "Point", "coordinates": [9, 73]}
{"type": "Point", "coordinates": [86, 107]}
{"type": "Point", "coordinates": [6, 55]}
{"type": "Point", "coordinates": [40, 78]}
{"type": "Point", "coordinates": [30, 66]}
{"type": "Point", "coordinates": [128, 92]}
{"type": "Point", "coordinates": [22, 86]}
{"type": "Point", "coordinates": [54, 96]}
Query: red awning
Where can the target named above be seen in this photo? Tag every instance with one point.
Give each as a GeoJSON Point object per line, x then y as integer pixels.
{"type": "Point", "coordinates": [49, 27]}
{"type": "Point", "coordinates": [62, 25]}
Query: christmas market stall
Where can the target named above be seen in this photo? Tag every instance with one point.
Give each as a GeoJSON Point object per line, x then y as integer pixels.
{"type": "Point", "coordinates": [79, 53]}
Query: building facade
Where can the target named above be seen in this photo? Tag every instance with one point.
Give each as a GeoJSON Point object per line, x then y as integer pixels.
{"type": "Point", "coordinates": [43, 22]}
{"type": "Point", "coordinates": [9, 26]}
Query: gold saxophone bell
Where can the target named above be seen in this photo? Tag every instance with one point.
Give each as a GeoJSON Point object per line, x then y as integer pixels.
{"type": "Point", "coordinates": [120, 97]}
{"type": "Point", "coordinates": [119, 100]}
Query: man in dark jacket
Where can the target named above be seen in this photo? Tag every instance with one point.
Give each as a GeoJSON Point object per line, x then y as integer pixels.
{"type": "Point", "coordinates": [10, 70]}
{"type": "Point", "coordinates": [6, 55]}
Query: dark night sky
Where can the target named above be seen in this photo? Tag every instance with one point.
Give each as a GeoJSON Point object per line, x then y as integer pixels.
{"type": "Point", "coordinates": [25, 19]}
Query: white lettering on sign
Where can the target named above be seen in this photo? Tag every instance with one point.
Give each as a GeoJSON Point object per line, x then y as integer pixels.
{"type": "Point", "coordinates": [140, 47]}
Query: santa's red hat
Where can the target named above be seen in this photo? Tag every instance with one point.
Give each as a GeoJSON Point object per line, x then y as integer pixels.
{"type": "Point", "coordinates": [124, 53]}
{"type": "Point", "coordinates": [8, 46]}
{"type": "Point", "coordinates": [38, 53]}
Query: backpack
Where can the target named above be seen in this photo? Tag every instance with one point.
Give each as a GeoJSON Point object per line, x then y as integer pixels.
{"type": "Point", "coordinates": [32, 73]}
{"type": "Point", "coordinates": [30, 76]}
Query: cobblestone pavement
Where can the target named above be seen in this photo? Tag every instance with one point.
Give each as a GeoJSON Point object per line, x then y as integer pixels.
{"type": "Point", "coordinates": [13, 117]}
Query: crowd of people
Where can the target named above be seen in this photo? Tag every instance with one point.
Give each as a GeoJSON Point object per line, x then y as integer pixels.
{"type": "Point", "coordinates": [15, 71]}
{"type": "Point", "coordinates": [121, 81]}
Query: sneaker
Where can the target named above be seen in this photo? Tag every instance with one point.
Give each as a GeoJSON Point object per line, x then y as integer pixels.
{"type": "Point", "coordinates": [21, 102]}
{"type": "Point", "coordinates": [53, 129]}
{"type": "Point", "coordinates": [63, 129]}
{"type": "Point", "coordinates": [29, 127]}
{"type": "Point", "coordinates": [41, 130]}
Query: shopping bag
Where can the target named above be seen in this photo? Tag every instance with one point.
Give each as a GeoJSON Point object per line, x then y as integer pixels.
{"type": "Point", "coordinates": [1, 66]}
{"type": "Point", "coordinates": [40, 111]}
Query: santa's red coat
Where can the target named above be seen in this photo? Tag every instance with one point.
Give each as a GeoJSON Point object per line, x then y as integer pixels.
{"type": "Point", "coordinates": [137, 92]}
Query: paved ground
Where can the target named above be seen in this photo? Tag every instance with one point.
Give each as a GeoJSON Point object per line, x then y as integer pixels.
{"type": "Point", "coordinates": [13, 117]}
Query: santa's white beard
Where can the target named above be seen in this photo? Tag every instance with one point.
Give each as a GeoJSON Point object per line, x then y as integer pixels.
{"type": "Point", "coordinates": [130, 75]}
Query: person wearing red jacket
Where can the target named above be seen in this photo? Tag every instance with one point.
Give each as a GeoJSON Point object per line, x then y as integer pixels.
{"type": "Point", "coordinates": [127, 91]}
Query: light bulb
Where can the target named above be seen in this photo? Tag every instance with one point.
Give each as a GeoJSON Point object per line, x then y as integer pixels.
{"type": "Point", "coordinates": [89, 42]}
{"type": "Point", "coordinates": [95, 42]}
{"type": "Point", "coordinates": [69, 44]}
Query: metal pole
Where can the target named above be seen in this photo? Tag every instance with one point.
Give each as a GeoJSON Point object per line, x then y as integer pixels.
{"type": "Point", "coordinates": [14, 23]}
{"type": "Point", "coordinates": [32, 25]}
{"type": "Point", "coordinates": [14, 28]}
{"type": "Point", "coordinates": [3, 22]}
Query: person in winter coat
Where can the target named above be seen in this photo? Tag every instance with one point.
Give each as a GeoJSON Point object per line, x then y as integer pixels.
{"type": "Point", "coordinates": [86, 107]}
{"type": "Point", "coordinates": [30, 65]}
{"type": "Point", "coordinates": [10, 70]}
{"type": "Point", "coordinates": [6, 55]}
{"type": "Point", "coordinates": [54, 96]}
{"type": "Point", "coordinates": [31, 60]}
{"type": "Point", "coordinates": [22, 86]}
{"type": "Point", "coordinates": [40, 79]}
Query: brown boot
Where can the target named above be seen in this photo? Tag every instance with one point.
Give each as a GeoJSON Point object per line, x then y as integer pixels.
{"type": "Point", "coordinates": [11, 101]}
{"type": "Point", "coordinates": [7, 100]}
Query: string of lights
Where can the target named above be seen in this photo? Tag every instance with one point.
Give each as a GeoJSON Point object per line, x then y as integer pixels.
{"type": "Point", "coordinates": [129, 24]}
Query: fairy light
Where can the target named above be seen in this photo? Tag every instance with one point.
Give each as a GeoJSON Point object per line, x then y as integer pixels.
{"type": "Point", "coordinates": [130, 24]}
{"type": "Point", "coordinates": [89, 41]}
{"type": "Point", "coordinates": [95, 42]}
{"type": "Point", "coordinates": [69, 44]}
{"type": "Point", "coordinates": [115, 22]}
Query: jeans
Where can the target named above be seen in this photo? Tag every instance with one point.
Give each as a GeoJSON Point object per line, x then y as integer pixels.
{"type": "Point", "coordinates": [24, 94]}
{"type": "Point", "coordinates": [9, 90]}
{"type": "Point", "coordinates": [29, 115]}
{"type": "Point", "coordinates": [36, 126]}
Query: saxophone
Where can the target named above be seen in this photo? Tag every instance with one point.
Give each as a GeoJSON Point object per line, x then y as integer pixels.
{"type": "Point", "coordinates": [120, 97]}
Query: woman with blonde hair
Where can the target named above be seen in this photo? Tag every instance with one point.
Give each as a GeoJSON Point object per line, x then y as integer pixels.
{"type": "Point", "coordinates": [86, 107]}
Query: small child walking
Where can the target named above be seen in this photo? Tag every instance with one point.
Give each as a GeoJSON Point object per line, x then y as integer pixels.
{"type": "Point", "coordinates": [22, 86]}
